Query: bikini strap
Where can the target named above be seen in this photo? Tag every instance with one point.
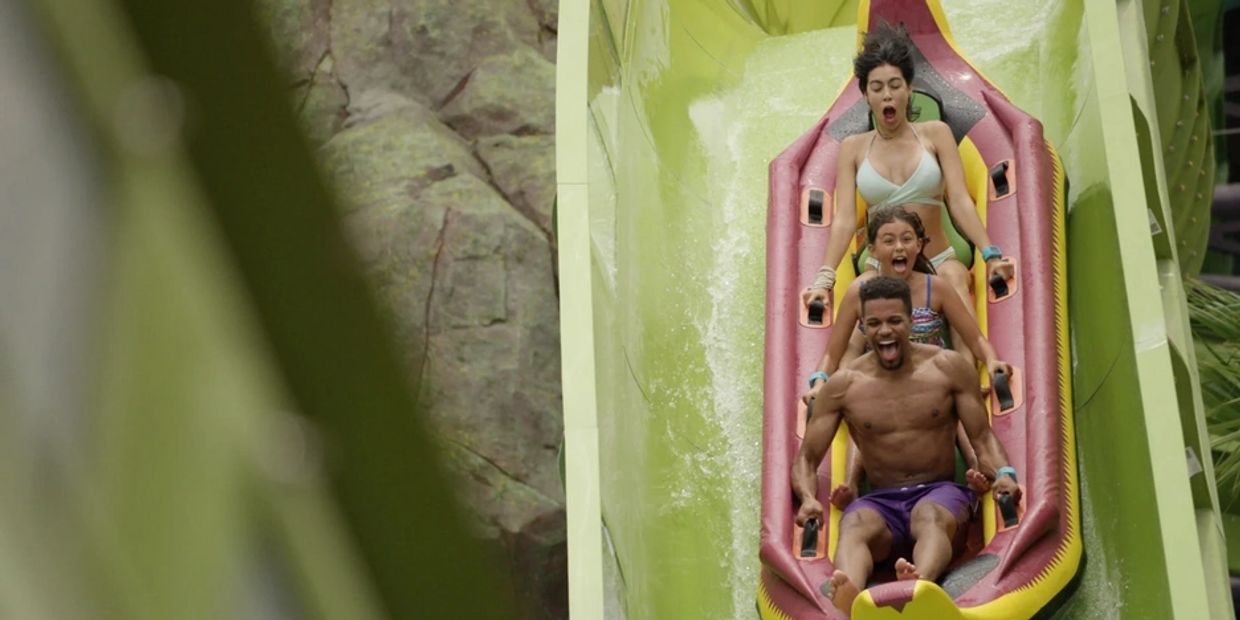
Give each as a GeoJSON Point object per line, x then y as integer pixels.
{"type": "Point", "coordinates": [928, 287]}
{"type": "Point", "coordinates": [869, 146]}
{"type": "Point", "coordinates": [913, 126]}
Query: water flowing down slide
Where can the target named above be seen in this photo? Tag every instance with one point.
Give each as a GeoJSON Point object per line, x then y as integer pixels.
{"type": "Point", "coordinates": [670, 114]}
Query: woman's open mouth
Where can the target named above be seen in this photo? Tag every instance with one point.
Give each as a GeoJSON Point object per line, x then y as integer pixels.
{"type": "Point", "coordinates": [889, 113]}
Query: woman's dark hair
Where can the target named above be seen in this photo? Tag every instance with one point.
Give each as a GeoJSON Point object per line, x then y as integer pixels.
{"type": "Point", "coordinates": [886, 45]}
{"type": "Point", "coordinates": [887, 215]}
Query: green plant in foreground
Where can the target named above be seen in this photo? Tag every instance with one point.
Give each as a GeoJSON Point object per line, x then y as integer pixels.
{"type": "Point", "coordinates": [1215, 317]}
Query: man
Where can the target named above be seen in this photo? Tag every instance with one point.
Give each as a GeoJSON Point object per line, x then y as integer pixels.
{"type": "Point", "coordinates": [902, 402]}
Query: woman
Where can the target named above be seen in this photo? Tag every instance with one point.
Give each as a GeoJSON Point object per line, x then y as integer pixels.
{"type": "Point", "coordinates": [898, 163]}
{"type": "Point", "coordinates": [896, 242]}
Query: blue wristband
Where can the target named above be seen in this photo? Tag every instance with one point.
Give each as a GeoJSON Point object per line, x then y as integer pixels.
{"type": "Point", "coordinates": [991, 251]}
{"type": "Point", "coordinates": [816, 376]}
{"type": "Point", "coordinates": [1006, 469]}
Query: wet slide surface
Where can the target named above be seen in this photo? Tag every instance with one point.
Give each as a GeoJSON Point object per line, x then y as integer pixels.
{"type": "Point", "coordinates": [689, 102]}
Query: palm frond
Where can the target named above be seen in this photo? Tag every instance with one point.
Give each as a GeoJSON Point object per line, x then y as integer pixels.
{"type": "Point", "coordinates": [1214, 315]}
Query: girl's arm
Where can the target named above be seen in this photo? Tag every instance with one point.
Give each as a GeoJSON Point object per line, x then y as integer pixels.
{"type": "Point", "coordinates": [845, 323]}
{"type": "Point", "coordinates": [842, 329]}
{"type": "Point", "coordinates": [959, 317]}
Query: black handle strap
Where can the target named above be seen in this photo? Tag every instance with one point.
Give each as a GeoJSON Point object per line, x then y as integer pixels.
{"type": "Point", "coordinates": [999, 286]}
{"type": "Point", "coordinates": [1003, 390]}
{"type": "Point", "coordinates": [815, 206]}
{"type": "Point", "coordinates": [998, 176]}
{"type": "Point", "coordinates": [1007, 508]}
{"type": "Point", "coordinates": [816, 310]}
{"type": "Point", "coordinates": [809, 539]}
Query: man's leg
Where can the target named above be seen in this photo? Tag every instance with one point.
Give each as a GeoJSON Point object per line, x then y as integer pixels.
{"type": "Point", "coordinates": [933, 528]}
{"type": "Point", "coordinates": [864, 536]}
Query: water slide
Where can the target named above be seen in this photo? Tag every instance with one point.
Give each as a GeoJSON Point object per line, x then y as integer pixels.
{"type": "Point", "coordinates": [669, 113]}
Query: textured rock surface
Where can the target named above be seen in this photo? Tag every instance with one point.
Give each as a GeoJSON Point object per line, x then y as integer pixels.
{"type": "Point", "coordinates": [505, 94]}
{"type": "Point", "coordinates": [524, 170]}
{"type": "Point", "coordinates": [434, 120]}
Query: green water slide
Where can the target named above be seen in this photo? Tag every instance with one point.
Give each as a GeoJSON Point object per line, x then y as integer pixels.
{"type": "Point", "coordinates": [670, 111]}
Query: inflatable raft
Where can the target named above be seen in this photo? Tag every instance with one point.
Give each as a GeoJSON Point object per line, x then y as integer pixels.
{"type": "Point", "coordinates": [1017, 182]}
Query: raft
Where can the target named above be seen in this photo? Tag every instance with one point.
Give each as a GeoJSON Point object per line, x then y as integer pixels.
{"type": "Point", "coordinates": [1017, 181]}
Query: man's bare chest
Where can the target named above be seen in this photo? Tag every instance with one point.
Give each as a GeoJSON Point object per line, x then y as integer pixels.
{"type": "Point", "coordinates": [914, 403]}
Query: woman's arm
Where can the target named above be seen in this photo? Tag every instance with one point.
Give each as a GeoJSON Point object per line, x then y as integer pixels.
{"type": "Point", "coordinates": [959, 204]}
{"type": "Point", "coordinates": [837, 344]}
{"type": "Point", "coordinates": [959, 317]}
{"type": "Point", "coordinates": [841, 330]}
{"type": "Point", "coordinates": [845, 212]}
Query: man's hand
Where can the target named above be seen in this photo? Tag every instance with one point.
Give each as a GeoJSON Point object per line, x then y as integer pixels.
{"type": "Point", "coordinates": [810, 509]}
{"type": "Point", "coordinates": [992, 367]}
{"type": "Point", "coordinates": [1005, 484]}
{"type": "Point", "coordinates": [810, 294]}
{"type": "Point", "coordinates": [997, 366]}
{"type": "Point", "coordinates": [998, 266]}
{"type": "Point", "coordinates": [977, 481]}
{"type": "Point", "coordinates": [813, 392]}
{"type": "Point", "coordinates": [842, 496]}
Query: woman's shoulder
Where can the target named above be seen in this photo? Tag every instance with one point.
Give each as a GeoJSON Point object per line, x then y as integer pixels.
{"type": "Point", "coordinates": [853, 142]}
{"type": "Point", "coordinates": [936, 130]}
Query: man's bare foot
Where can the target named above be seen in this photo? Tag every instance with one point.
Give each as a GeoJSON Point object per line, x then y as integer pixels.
{"type": "Point", "coordinates": [905, 570]}
{"type": "Point", "coordinates": [843, 495]}
{"type": "Point", "coordinates": [842, 592]}
{"type": "Point", "coordinates": [977, 481]}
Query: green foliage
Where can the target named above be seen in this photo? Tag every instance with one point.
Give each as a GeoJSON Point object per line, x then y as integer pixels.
{"type": "Point", "coordinates": [1215, 316]}
{"type": "Point", "coordinates": [1184, 126]}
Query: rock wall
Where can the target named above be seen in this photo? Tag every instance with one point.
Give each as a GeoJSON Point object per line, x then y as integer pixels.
{"type": "Point", "coordinates": [434, 118]}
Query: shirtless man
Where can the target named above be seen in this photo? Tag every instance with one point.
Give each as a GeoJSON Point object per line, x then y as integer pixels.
{"type": "Point", "coordinates": [902, 402]}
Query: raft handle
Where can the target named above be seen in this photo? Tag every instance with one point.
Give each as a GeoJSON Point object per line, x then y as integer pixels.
{"type": "Point", "coordinates": [999, 176]}
{"type": "Point", "coordinates": [816, 310]}
{"type": "Point", "coordinates": [815, 206]}
{"type": "Point", "coordinates": [999, 285]}
{"type": "Point", "coordinates": [1003, 391]}
{"type": "Point", "coordinates": [809, 539]}
{"type": "Point", "coordinates": [1000, 288]}
{"type": "Point", "coordinates": [1007, 507]}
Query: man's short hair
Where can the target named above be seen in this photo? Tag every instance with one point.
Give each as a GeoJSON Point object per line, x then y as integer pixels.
{"type": "Point", "coordinates": [886, 287]}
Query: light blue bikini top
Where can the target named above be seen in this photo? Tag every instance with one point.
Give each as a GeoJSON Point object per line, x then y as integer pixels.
{"type": "Point", "coordinates": [924, 186]}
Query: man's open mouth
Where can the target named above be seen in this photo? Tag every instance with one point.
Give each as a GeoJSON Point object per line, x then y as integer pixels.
{"type": "Point", "coordinates": [888, 351]}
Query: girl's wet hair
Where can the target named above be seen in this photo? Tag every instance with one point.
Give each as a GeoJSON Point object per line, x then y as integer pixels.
{"type": "Point", "coordinates": [886, 45]}
{"type": "Point", "coordinates": [887, 215]}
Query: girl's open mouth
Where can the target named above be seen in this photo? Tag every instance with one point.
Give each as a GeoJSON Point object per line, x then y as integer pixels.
{"type": "Point", "coordinates": [899, 265]}
{"type": "Point", "coordinates": [889, 113]}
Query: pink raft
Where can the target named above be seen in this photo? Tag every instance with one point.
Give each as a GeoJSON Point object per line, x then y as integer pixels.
{"type": "Point", "coordinates": [1017, 182]}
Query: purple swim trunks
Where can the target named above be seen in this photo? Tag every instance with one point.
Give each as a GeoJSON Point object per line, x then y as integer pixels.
{"type": "Point", "coordinates": [895, 506]}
